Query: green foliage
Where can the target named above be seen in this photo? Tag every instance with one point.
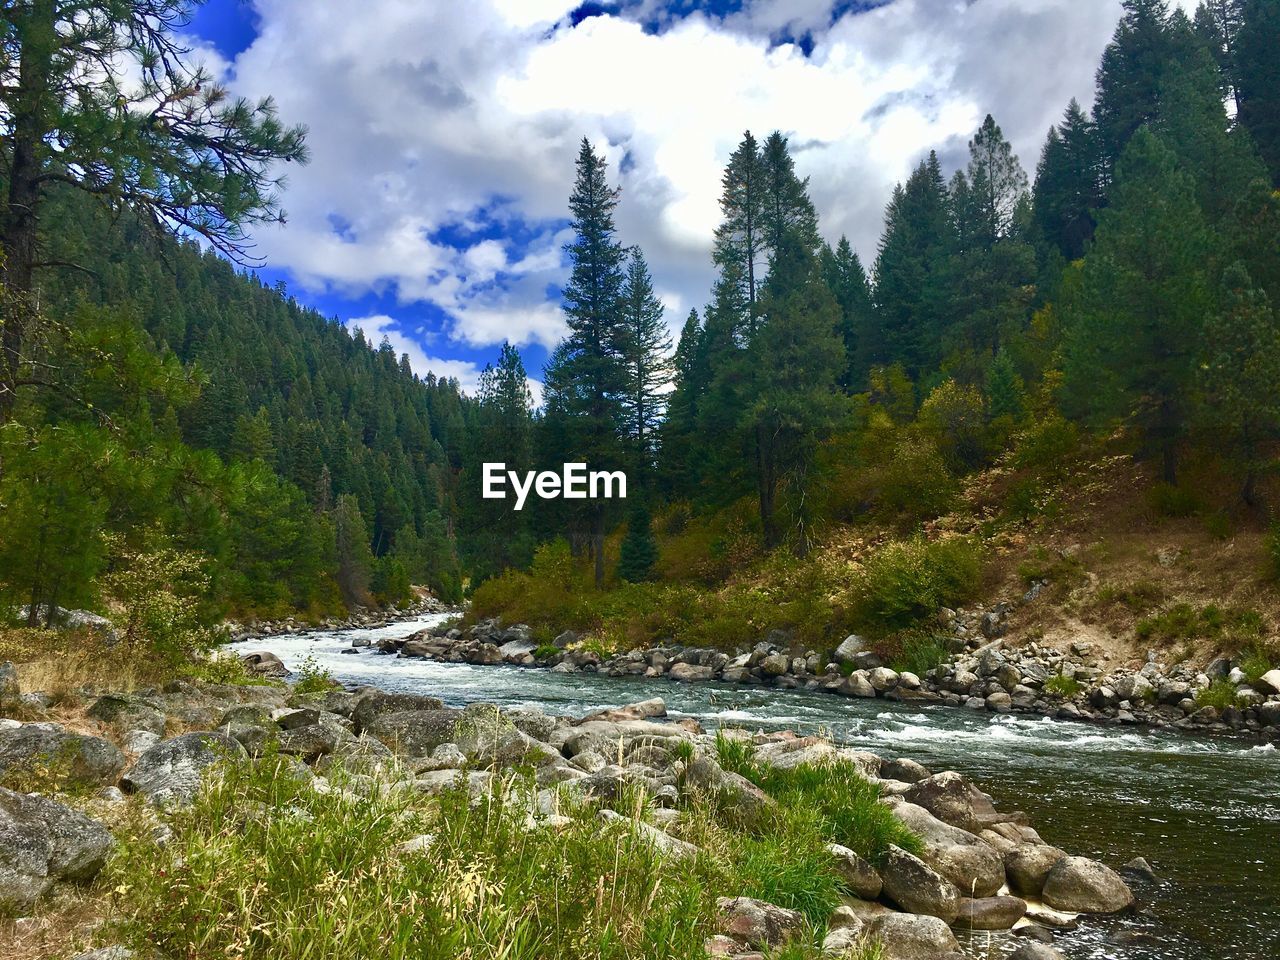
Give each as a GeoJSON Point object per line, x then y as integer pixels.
{"type": "Point", "coordinates": [1272, 546]}
{"type": "Point", "coordinates": [161, 592]}
{"type": "Point", "coordinates": [915, 483]}
{"type": "Point", "coordinates": [1232, 628]}
{"type": "Point", "coordinates": [906, 581]}
{"type": "Point", "coordinates": [1257, 660]}
{"type": "Point", "coordinates": [1220, 694]}
{"type": "Point", "coordinates": [954, 417]}
{"type": "Point", "coordinates": [1168, 500]}
{"type": "Point", "coordinates": [639, 551]}
{"type": "Point", "coordinates": [919, 653]}
{"type": "Point", "coordinates": [1062, 685]}
{"type": "Point", "coordinates": [313, 678]}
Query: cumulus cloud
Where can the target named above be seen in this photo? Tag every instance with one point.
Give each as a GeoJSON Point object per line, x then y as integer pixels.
{"type": "Point", "coordinates": [443, 134]}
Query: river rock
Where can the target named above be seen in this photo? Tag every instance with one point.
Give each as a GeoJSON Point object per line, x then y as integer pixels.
{"type": "Point", "coordinates": [755, 923]}
{"type": "Point", "coordinates": [172, 771]}
{"type": "Point", "coordinates": [643, 710]}
{"type": "Point", "coordinates": [990, 913]}
{"type": "Point", "coordinates": [734, 792]}
{"type": "Point", "coordinates": [313, 740]}
{"type": "Point", "coordinates": [908, 936]}
{"type": "Point", "coordinates": [849, 648]}
{"type": "Point", "coordinates": [1081, 885]}
{"type": "Point", "coordinates": [844, 939]}
{"type": "Point", "coordinates": [128, 713]}
{"type": "Point", "coordinates": [1269, 682]}
{"type": "Point", "coordinates": [41, 841]}
{"type": "Point", "coordinates": [859, 877]}
{"type": "Point", "coordinates": [264, 663]}
{"type": "Point", "coordinates": [491, 739]}
{"type": "Point", "coordinates": [882, 679]}
{"type": "Point", "coordinates": [51, 757]}
{"type": "Point", "coordinates": [1028, 865]}
{"type": "Point", "coordinates": [661, 841]}
{"type": "Point", "coordinates": [858, 684]}
{"type": "Point", "coordinates": [970, 863]}
{"type": "Point", "coordinates": [1036, 951]}
{"type": "Point", "coordinates": [371, 704]}
{"type": "Point", "coordinates": [916, 887]}
{"type": "Point", "coordinates": [954, 800]}
{"type": "Point", "coordinates": [690, 673]}
{"type": "Point", "coordinates": [414, 733]}
{"type": "Point", "coordinates": [904, 769]}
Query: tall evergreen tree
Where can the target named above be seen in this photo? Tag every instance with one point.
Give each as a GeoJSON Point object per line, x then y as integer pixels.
{"type": "Point", "coordinates": [645, 345]}
{"type": "Point", "coordinates": [740, 241]}
{"type": "Point", "coordinates": [590, 369]}
{"type": "Point", "coordinates": [847, 280]}
{"type": "Point", "coordinates": [1135, 326]}
{"type": "Point", "coordinates": [1257, 78]}
{"type": "Point", "coordinates": [997, 182]}
{"type": "Point", "coordinates": [1068, 190]}
{"type": "Point", "coordinates": [1240, 379]}
{"type": "Point", "coordinates": [789, 215]}
{"type": "Point", "coordinates": [678, 431]}
{"type": "Point", "coordinates": [174, 146]}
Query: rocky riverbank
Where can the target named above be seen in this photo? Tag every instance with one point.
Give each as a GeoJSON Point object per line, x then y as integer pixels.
{"type": "Point", "coordinates": [359, 618]}
{"type": "Point", "coordinates": [1080, 682]}
{"type": "Point", "coordinates": [973, 867]}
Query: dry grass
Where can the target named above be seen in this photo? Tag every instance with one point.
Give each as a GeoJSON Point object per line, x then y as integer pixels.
{"type": "Point", "coordinates": [59, 926]}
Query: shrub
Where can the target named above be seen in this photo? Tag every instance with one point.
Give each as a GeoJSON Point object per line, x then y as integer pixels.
{"type": "Point", "coordinates": [1220, 694]}
{"type": "Point", "coordinates": [1047, 446]}
{"type": "Point", "coordinates": [1257, 660]}
{"type": "Point", "coordinates": [915, 484]}
{"type": "Point", "coordinates": [907, 581]}
{"type": "Point", "coordinates": [1167, 500]}
{"type": "Point", "coordinates": [955, 417]}
{"type": "Point", "coordinates": [313, 678]}
{"type": "Point", "coordinates": [545, 651]}
{"type": "Point", "coordinates": [161, 591]}
{"type": "Point", "coordinates": [1232, 628]}
{"type": "Point", "coordinates": [1062, 685]}
{"type": "Point", "coordinates": [919, 653]}
{"type": "Point", "coordinates": [1272, 546]}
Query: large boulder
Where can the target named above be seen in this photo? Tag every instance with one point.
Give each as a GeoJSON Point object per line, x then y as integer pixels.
{"type": "Point", "coordinates": [860, 878]}
{"type": "Point", "coordinates": [1035, 951]}
{"type": "Point", "coordinates": [315, 739]}
{"type": "Point", "coordinates": [732, 791]}
{"type": "Point", "coordinates": [41, 841]}
{"type": "Point", "coordinates": [264, 663]}
{"type": "Point", "coordinates": [1269, 682]}
{"type": "Point", "coordinates": [755, 923]}
{"type": "Point", "coordinates": [172, 772]}
{"type": "Point", "coordinates": [990, 913]}
{"type": "Point", "coordinates": [414, 733]}
{"type": "Point", "coordinates": [371, 704]}
{"type": "Point", "coordinates": [487, 737]}
{"type": "Point", "coordinates": [1028, 865]}
{"type": "Point", "coordinates": [1081, 885]}
{"type": "Point", "coordinates": [969, 862]}
{"type": "Point", "coordinates": [953, 799]}
{"type": "Point", "coordinates": [849, 648]}
{"type": "Point", "coordinates": [47, 756]}
{"type": "Point", "coordinates": [906, 936]}
{"type": "Point", "coordinates": [914, 886]}
{"type": "Point", "coordinates": [128, 713]}
{"type": "Point", "coordinates": [691, 673]}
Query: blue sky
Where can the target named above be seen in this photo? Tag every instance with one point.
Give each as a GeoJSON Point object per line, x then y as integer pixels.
{"type": "Point", "coordinates": [443, 134]}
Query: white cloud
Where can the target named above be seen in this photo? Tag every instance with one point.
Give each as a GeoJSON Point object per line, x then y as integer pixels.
{"type": "Point", "coordinates": [433, 115]}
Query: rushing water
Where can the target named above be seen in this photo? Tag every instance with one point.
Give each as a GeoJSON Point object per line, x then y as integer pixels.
{"type": "Point", "coordinates": [1205, 813]}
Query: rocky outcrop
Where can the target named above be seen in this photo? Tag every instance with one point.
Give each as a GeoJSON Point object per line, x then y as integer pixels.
{"type": "Point", "coordinates": [42, 841]}
{"type": "Point", "coordinates": [45, 755]}
{"type": "Point", "coordinates": [172, 771]}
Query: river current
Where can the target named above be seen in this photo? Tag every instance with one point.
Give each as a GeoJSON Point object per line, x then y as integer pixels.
{"type": "Point", "coordinates": [1204, 812]}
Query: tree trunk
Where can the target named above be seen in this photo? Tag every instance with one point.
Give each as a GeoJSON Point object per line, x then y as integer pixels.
{"type": "Point", "coordinates": [31, 108]}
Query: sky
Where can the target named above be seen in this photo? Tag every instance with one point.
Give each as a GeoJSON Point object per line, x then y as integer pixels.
{"type": "Point", "coordinates": [443, 135]}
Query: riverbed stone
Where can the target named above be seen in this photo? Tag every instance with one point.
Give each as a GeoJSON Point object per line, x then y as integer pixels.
{"type": "Point", "coordinates": [755, 923]}
{"type": "Point", "coordinates": [47, 756]}
{"type": "Point", "coordinates": [733, 792]}
{"type": "Point", "coordinates": [860, 877]}
{"type": "Point", "coordinates": [371, 704]}
{"type": "Point", "coordinates": [1269, 682]}
{"type": "Point", "coordinates": [1028, 865]}
{"type": "Point", "coordinates": [909, 936]}
{"type": "Point", "coordinates": [953, 799]}
{"type": "Point", "coordinates": [972, 864]}
{"type": "Point", "coordinates": [172, 771]}
{"type": "Point", "coordinates": [1081, 885]}
{"type": "Point", "coordinates": [1036, 951]}
{"type": "Point", "coordinates": [125, 713]}
{"type": "Point", "coordinates": [990, 913]}
{"type": "Point", "coordinates": [904, 769]}
{"type": "Point", "coordinates": [916, 887]}
{"type": "Point", "coordinates": [414, 733]}
{"type": "Point", "coordinates": [690, 673]}
{"type": "Point", "coordinates": [42, 840]}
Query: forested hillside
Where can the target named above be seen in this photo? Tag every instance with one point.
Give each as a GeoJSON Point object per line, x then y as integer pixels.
{"type": "Point", "coordinates": [902, 422]}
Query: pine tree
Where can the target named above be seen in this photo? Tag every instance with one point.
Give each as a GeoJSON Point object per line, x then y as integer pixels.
{"type": "Point", "coordinates": [174, 145]}
{"type": "Point", "coordinates": [789, 216]}
{"type": "Point", "coordinates": [644, 346]}
{"type": "Point", "coordinates": [1005, 391]}
{"type": "Point", "coordinates": [1240, 379]}
{"type": "Point", "coordinates": [740, 239]}
{"type": "Point", "coordinates": [354, 559]}
{"type": "Point", "coordinates": [998, 183]}
{"type": "Point", "coordinates": [847, 281]}
{"type": "Point", "coordinates": [639, 552]}
{"type": "Point", "coordinates": [1134, 327]}
{"type": "Point", "coordinates": [1258, 78]}
{"type": "Point", "coordinates": [1068, 192]}
{"type": "Point", "coordinates": [677, 466]}
{"type": "Point", "coordinates": [589, 368]}
{"type": "Point", "coordinates": [910, 275]}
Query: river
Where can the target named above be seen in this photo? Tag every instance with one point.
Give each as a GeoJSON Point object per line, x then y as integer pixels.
{"type": "Point", "coordinates": [1205, 813]}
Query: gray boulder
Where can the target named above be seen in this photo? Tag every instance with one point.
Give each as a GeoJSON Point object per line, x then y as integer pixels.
{"type": "Point", "coordinates": [41, 841]}
{"type": "Point", "coordinates": [916, 887]}
{"type": "Point", "coordinates": [1081, 885]}
{"type": "Point", "coordinates": [1028, 865]}
{"type": "Point", "coordinates": [371, 704]}
{"type": "Point", "coordinates": [264, 663]}
{"type": "Point", "coordinates": [732, 791]}
{"type": "Point", "coordinates": [1036, 951]}
{"type": "Point", "coordinates": [906, 936]}
{"type": "Point", "coordinates": [849, 648]}
{"type": "Point", "coordinates": [58, 759]}
{"type": "Point", "coordinates": [414, 733]}
{"type": "Point", "coordinates": [953, 799]}
{"type": "Point", "coordinates": [859, 876]}
{"type": "Point", "coordinates": [128, 713]}
{"type": "Point", "coordinates": [990, 913]}
{"type": "Point", "coordinates": [173, 771]}
{"type": "Point", "coordinates": [755, 923]}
